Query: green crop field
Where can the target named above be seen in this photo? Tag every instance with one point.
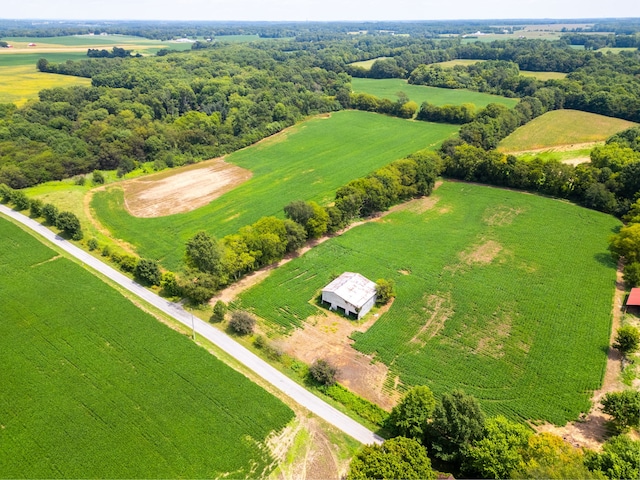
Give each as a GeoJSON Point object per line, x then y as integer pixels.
{"type": "Point", "coordinates": [562, 127]}
{"type": "Point", "coordinates": [89, 41]}
{"type": "Point", "coordinates": [18, 84]}
{"type": "Point", "coordinates": [504, 294]}
{"type": "Point", "coordinates": [31, 59]}
{"type": "Point", "coordinates": [389, 88]}
{"type": "Point", "coordinates": [92, 387]}
{"type": "Point", "coordinates": [308, 161]}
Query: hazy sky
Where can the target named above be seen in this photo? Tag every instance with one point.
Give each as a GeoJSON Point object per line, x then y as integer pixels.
{"type": "Point", "coordinates": [315, 10]}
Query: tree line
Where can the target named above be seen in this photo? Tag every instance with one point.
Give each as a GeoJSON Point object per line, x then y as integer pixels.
{"type": "Point", "coordinates": [455, 434]}
{"type": "Point", "coordinates": [212, 264]}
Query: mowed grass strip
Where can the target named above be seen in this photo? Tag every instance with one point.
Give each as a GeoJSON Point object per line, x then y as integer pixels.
{"type": "Point", "coordinates": [562, 127]}
{"type": "Point", "coordinates": [18, 84]}
{"type": "Point", "coordinates": [309, 161]}
{"type": "Point", "coordinates": [503, 294]}
{"type": "Point", "coordinates": [389, 88]}
{"type": "Point", "coordinates": [543, 76]}
{"type": "Point", "coordinates": [92, 387]}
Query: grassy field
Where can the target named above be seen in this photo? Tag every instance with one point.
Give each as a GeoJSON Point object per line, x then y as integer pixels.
{"type": "Point", "coordinates": [92, 387]}
{"type": "Point", "coordinates": [389, 88]}
{"type": "Point", "coordinates": [18, 84]}
{"type": "Point", "coordinates": [543, 76]}
{"type": "Point", "coordinates": [458, 61]}
{"type": "Point", "coordinates": [503, 294]}
{"type": "Point", "coordinates": [367, 64]}
{"type": "Point", "coordinates": [31, 59]}
{"type": "Point", "coordinates": [562, 127]}
{"type": "Point", "coordinates": [617, 49]}
{"type": "Point", "coordinates": [308, 161]}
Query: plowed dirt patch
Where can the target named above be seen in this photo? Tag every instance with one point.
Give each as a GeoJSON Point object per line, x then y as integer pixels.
{"type": "Point", "coordinates": [183, 189]}
{"type": "Point", "coordinates": [327, 337]}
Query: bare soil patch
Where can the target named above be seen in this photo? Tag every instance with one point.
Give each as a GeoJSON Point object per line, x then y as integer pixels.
{"type": "Point", "coordinates": [483, 253]}
{"type": "Point", "coordinates": [577, 161]}
{"type": "Point", "coordinates": [326, 336]}
{"type": "Point", "coordinates": [183, 189]}
{"type": "Point", "coordinates": [592, 431]}
{"type": "Point", "coordinates": [439, 308]}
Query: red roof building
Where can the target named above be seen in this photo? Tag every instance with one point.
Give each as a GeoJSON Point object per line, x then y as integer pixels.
{"type": "Point", "coordinates": [634, 298]}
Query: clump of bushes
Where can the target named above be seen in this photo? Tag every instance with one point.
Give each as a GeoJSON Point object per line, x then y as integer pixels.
{"type": "Point", "coordinates": [385, 291]}
{"type": "Point", "coordinates": [323, 372]}
{"type": "Point", "coordinates": [242, 322]}
{"type": "Point", "coordinates": [219, 311]}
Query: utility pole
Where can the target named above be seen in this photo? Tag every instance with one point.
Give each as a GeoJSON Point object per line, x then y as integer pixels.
{"type": "Point", "coordinates": [193, 326]}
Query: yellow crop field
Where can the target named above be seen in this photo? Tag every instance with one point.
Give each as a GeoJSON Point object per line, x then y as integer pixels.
{"type": "Point", "coordinates": [22, 83]}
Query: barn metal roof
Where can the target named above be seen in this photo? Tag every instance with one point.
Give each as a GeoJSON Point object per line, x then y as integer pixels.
{"type": "Point", "coordinates": [353, 288]}
{"type": "Point", "coordinates": [634, 297]}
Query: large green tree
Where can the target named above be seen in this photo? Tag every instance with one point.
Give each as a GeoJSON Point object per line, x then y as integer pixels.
{"type": "Point", "coordinates": [410, 416]}
{"type": "Point", "coordinates": [500, 452]}
{"type": "Point", "coordinates": [458, 421]}
{"type": "Point", "coordinates": [398, 458]}
{"type": "Point", "coordinates": [204, 253]}
{"type": "Point", "coordinates": [624, 407]}
{"type": "Point", "coordinates": [619, 459]}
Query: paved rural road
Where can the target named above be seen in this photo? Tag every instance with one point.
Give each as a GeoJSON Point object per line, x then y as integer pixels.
{"type": "Point", "coordinates": [237, 351]}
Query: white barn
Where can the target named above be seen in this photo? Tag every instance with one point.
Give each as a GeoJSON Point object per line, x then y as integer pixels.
{"type": "Point", "coordinates": [352, 292]}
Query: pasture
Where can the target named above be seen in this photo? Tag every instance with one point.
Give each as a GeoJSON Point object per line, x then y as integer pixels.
{"type": "Point", "coordinates": [459, 61]}
{"type": "Point", "coordinates": [308, 161]}
{"type": "Point", "coordinates": [389, 88]}
{"type": "Point", "coordinates": [504, 294]}
{"type": "Point", "coordinates": [562, 127]}
{"type": "Point", "coordinates": [18, 84]}
{"type": "Point", "coordinates": [543, 76]}
{"type": "Point", "coordinates": [92, 387]}
{"type": "Point", "coordinates": [367, 64]}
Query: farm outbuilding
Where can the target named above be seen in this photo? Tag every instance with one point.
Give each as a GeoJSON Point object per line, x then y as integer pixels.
{"type": "Point", "coordinates": [351, 292]}
{"type": "Point", "coordinates": [634, 298]}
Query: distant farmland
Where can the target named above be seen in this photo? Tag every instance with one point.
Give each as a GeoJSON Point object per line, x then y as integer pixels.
{"type": "Point", "coordinates": [562, 127]}
{"type": "Point", "coordinates": [389, 88]}
{"type": "Point", "coordinates": [92, 387]}
{"type": "Point", "coordinates": [308, 161]}
{"type": "Point", "coordinates": [18, 84]}
{"type": "Point", "coordinates": [504, 294]}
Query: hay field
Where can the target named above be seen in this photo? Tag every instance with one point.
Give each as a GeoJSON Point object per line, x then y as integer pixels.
{"type": "Point", "coordinates": [562, 127]}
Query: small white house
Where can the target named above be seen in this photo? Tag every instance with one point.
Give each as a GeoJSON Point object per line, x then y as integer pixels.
{"type": "Point", "coordinates": [351, 292]}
